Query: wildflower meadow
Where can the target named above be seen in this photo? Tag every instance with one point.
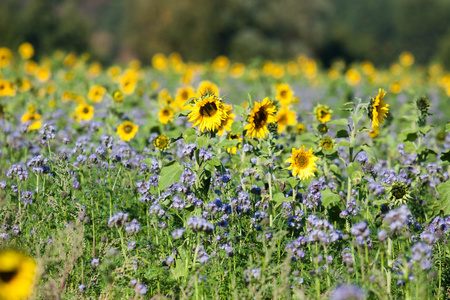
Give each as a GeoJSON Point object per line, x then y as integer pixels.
{"type": "Point", "coordinates": [223, 180]}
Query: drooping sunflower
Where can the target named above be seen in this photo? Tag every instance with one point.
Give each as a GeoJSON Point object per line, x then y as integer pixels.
{"type": "Point", "coordinates": [302, 163]}
{"type": "Point", "coordinates": [161, 142]}
{"type": "Point", "coordinates": [96, 93]}
{"type": "Point", "coordinates": [378, 109]}
{"type": "Point", "coordinates": [262, 114]}
{"type": "Point", "coordinates": [322, 113]}
{"type": "Point", "coordinates": [208, 112]}
{"type": "Point", "coordinates": [226, 123]}
{"type": "Point", "coordinates": [17, 275]}
{"type": "Point", "coordinates": [165, 114]}
{"type": "Point", "coordinates": [207, 88]}
{"type": "Point", "coordinates": [84, 112]}
{"type": "Point", "coordinates": [326, 143]}
{"type": "Point", "coordinates": [33, 119]}
{"type": "Point", "coordinates": [285, 117]}
{"type": "Point", "coordinates": [284, 94]}
{"type": "Point", "coordinates": [127, 130]}
{"type": "Point", "coordinates": [374, 132]}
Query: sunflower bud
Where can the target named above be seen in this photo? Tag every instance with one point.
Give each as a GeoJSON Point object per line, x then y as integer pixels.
{"type": "Point", "coordinates": [273, 128]}
{"type": "Point", "coordinates": [423, 104]}
{"type": "Point", "coordinates": [322, 128]}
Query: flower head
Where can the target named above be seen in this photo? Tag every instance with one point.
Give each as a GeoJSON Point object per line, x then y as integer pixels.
{"type": "Point", "coordinates": [96, 93]}
{"type": "Point", "coordinates": [84, 112]}
{"type": "Point", "coordinates": [262, 114]}
{"type": "Point", "coordinates": [322, 113]}
{"type": "Point", "coordinates": [165, 114]}
{"type": "Point", "coordinates": [284, 94]}
{"type": "Point", "coordinates": [378, 109]}
{"type": "Point", "coordinates": [208, 112]}
{"type": "Point", "coordinates": [285, 117]}
{"type": "Point", "coordinates": [127, 130]}
{"type": "Point", "coordinates": [161, 142]}
{"type": "Point", "coordinates": [33, 119]}
{"type": "Point", "coordinates": [302, 163]}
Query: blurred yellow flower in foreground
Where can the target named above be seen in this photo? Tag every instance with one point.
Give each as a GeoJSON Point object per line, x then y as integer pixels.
{"type": "Point", "coordinates": [33, 119]}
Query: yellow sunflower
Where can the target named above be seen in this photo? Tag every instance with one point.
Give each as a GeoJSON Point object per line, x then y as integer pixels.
{"type": "Point", "coordinates": [26, 50]}
{"type": "Point", "coordinates": [127, 130]}
{"type": "Point", "coordinates": [183, 95]}
{"type": "Point", "coordinates": [285, 117]}
{"type": "Point", "coordinates": [84, 112]}
{"type": "Point", "coordinates": [5, 57]}
{"type": "Point", "coordinates": [326, 143]}
{"type": "Point", "coordinates": [302, 163]}
{"type": "Point", "coordinates": [43, 73]}
{"type": "Point", "coordinates": [118, 96]}
{"type": "Point", "coordinates": [208, 112]}
{"type": "Point", "coordinates": [161, 142]}
{"type": "Point", "coordinates": [128, 82]}
{"type": "Point", "coordinates": [374, 132]}
{"type": "Point", "coordinates": [165, 114]}
{"type": "Point", "coordinates": [96, 93]}
{"type": "Point", "coordinates": [17, 275]}
{"type": "Point", "coordinates": [284, 94]}
{"type": "Point", "coordinates": [221, 63]}
{"type": "Point", "coordinates": [378, 109]}
{"type": "Point", "coordinates": [322, 113]}
{"type": "Point", "coordinates": [300, 128]}
{"type": "Point", "coordinates": [159, 61]}
{"type": "Point", "coordinates": [226, 123]}
{"type": "Point", "coordinates": [7, 88]}
{"type": "Point", "coordinates": [207, 87]}
{"type": "Point", "coordinates": [231, 137]}
{"type": "Point", "coordinates": [237, 70]}
{"type": "Point", "coordinates": [34, 119]}
{"type": "Point", "coordinates": [262, 114]}
{"type": "Point", "coordinates": [30, 67]}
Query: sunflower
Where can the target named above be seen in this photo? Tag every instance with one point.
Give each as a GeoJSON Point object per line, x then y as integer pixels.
{"type": "Point", "coordinates": [127, 130]}
{"type": "Point", "coordinates": [208, 112]}
{"type": "Point", "coordinates": [159, 61]}
{"type": "Point", "coordinates": [221, 63]}
{"type": "Point", "coordinates": [114, 72]}
{"type": "Point", "coordinates": [234, 137]}
{"type": "Point", "coordinates": [43, 73]}
{"type": "Point", "coordinates": [96, 93]}
{"type": "Point", "coordinates": [26, 50]}
{"type": "Point", "coordinates": [285, 117]}
{"type": "Point", "coordinates": [322, 113]}
{"type": "Point", "coordinates": [237, 70]}
{"type": "Point", "coordinates": [302, 163]}
{"type": "Point", "coordinates": [300, 128]}
{"type": "Point", "coordinates": [5, 57]}
{"type": "Point", "coordinates": [161, 142]}
{"type": "Point", "coordinates": [399, 193]}
{"type": "Point", "coordinates": [262, 114]}
{"type": "Point", "coordinates": [326, 143]}
{"type": "Point", "coordinates": [165, 114]}
{"type": "Point", "coordinates": [226, 123]}
{"type": "Point", "coordinates": [378, 109]}
{"type": "Point", "coordinates": [183, 95]}
{"type": "Point", "coordinates": [33, 119]}
{"type": "Point", "coordinates": [118, 96]}
{"type": "Point", "coordinates": [207, 88]}
{"type": "Point", "coordinates": [17, 275]}
{"type": "Point", "coordinates": [84, 112]}
{"type": "Point", "coordinates": [128, 82]}
{"type": "Point", "coordinates": [7, 88]}
{"type": "Point", "coordinates": [30, 67]}
{"type": "Point", "coordinates": [284, 94]}
{"type": "Point", "coordinates": [374, 132]}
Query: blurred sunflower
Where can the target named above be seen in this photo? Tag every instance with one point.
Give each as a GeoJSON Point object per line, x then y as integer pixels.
{"type": "Point", "coordinates": [208, 112]}
{"type": "Point", "coordinates": [94, 70]}
{"type": "Point", "coordinates": [114, 72]}
{"type": "Point", "coordinates": [96, 93]}
{"type": "Point", "coordinates": [300, 128]}
{"type": "Point", "coordinates": [161, 142]}
{"type": "Point", "coordinates": [183, 95]}
{"type": "Point", "coordinates": [231, 137]}
{"type": "Point", "coordinates": [226, 123]}
{"type": "Point", "coordinates": [326, 143]}
{"type": "Point", "coordinates": [285, 117]}
{"type": "Point", "coordinates": [127, 130]}
{"type": "Point", "coordinates": [378, 109]}
{"type": "Point", "coordinates": [128, 82]}
{"type": "Point", "coordinates": [374, 132]}
{"type": "Point", "coordinates": [5, 57]}
{"type": "Point", "coordinates": [84, 112]}
{"type": "Point", "coordinates": [159, 61]}
{"type": "Point", "coordinates": [30, 67]}
{"type": "Point", "coordinates": [33, 119]}
{"type": "Point", "coordinates": [26, 50]}
{"type": "Point", "coordinates": [302, 163]}
{"type": "Point", "coordinates": [7, 88]}
{"type": "Point", "coordinates": [262, 114]}
{"type": "Point", "coordinates": [43, 73]}
{"type": "Point", "coordinates": [118, 96]}
{"type": "Point", "coordinates": [207, 88]}
{"type": "Point", "coordinates": [237, 70]}
{"type": "Point", "coordinates": [221, 63]}
{"type": "Point", "coordinates": [284, 94]}
{"type": "Point", "coordinates": [165, 114]}
{"type": "Point", "coordinates": [322, 113]}
{"type": "Point", "coordinates": [17, 275]}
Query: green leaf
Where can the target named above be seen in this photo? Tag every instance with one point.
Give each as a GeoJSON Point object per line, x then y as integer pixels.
{"type": "Point", "coordinates": [240, 111]}
{"type": "Point", "coordinates": [279, 198]}
{"type": "Point", "coordinates": [444, 194]}
{"type": "Point", "coordinates": [445, 156]}
{"type": "Point", "coordinates": [408, 135]}
{"type": "Point", "coordinates": [189, 101]}
{"type": "Point", "coordinates": [342, 134]}
{"type": "Point", "coordinates": [342, 122]}
{"type": "Point", "coordinates": [170, 173]}
{"type": "Point", "coordinates": [447, 127]}
{"type": "Point", "coordinates": [370, 153]}
{"type": "Point", "coordinates": [237, 127]}
{"type": "Point", "coordinates": [227, 143]}
{"type": "Point", "coordinates": [183, 113]}
{"type": "Point", "coordinates": [329, 198]}
{"type": "Point", "coordinates": [202, 141]}
{"type": "Point", "coordinates": [426, 129]}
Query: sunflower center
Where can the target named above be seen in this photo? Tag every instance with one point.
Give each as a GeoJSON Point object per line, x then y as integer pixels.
{"type": "Point", "coordinates": [7, 276]}
{"type": "Point", "coordinates": [86, 110]}
{"type": "Point", "coordinates": [209, 109]}
{"type": "Point", "coordinates": [323, 113]}
{"type": "Point", "coordinates": [128, 128]}
{"type": "Point", "coordinates": [261, 117]}
{"type": "Point", "coordinates": [283, 94]}
{"type": "Point", "coordinates": [302, 161]}
{"type": "Point", "coordinates": [2, 86]}
{"type": "Point", "coordinates": [184, 95]}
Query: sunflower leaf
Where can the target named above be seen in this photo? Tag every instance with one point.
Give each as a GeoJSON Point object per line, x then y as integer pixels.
{"type": "Point", "coordinates": [240, 111]}
{"type": "Point", "coordinates": [342, 122]}
{"type": "Point", "coordinates": [170, 173]}
{"type": "Point", "coordinates": [237, 127]}
{"type": "Point", "coordinates": [329, 198]}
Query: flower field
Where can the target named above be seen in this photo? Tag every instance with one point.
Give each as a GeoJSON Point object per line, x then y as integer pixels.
{"type": "Point", "coordinates": [223, 180]}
